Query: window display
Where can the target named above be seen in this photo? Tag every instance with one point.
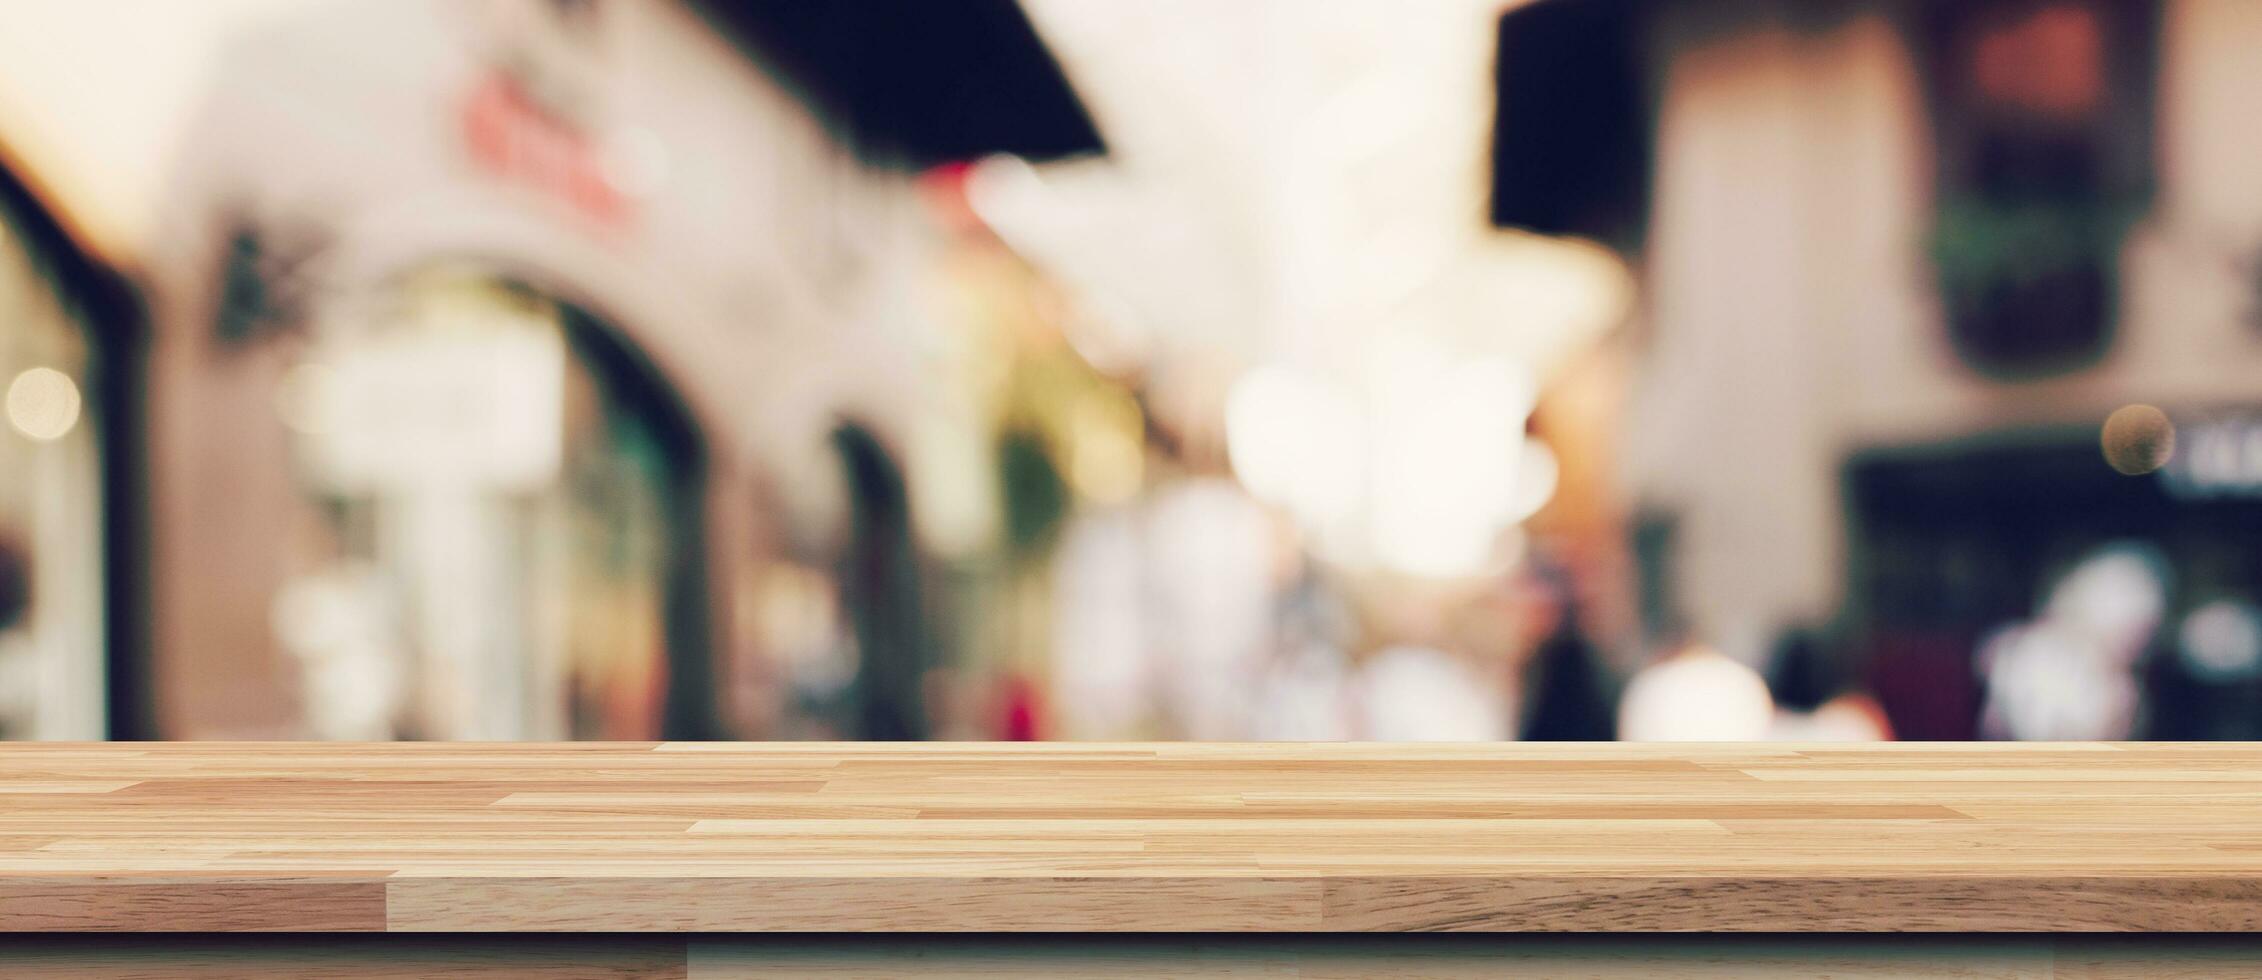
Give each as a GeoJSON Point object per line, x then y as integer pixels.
{"type": "Point", "coordinates": [499, 523]}
{"type": "Point", "coordinates": [51, 584]}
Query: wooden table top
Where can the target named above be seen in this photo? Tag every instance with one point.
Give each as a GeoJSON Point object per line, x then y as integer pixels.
{"type": "Point", "coordinates": [1162, 837]}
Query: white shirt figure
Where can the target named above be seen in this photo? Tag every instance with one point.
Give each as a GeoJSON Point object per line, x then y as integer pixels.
{"type": "Point", "coordinates": [1305, 697]}
{"type": "Point", "coordinates": [1101, 668]}
{"type": "Point", "coordinates": [1419, 694]}
{"type": "Point", "coordinates": [1210, 592]}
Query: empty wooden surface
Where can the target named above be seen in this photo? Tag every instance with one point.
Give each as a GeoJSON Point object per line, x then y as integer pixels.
{"type": "Point", "coordinates": [1032, 838]}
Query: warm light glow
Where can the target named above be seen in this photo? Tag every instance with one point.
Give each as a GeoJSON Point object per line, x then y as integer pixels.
{"type": "Point", "coordinates": [141, 68]}
{"type": "Point", "coordinates": [1536, 476]}
{"type": "Point", "coordinates": [1695, 695]}
{"type": "Point", "coordinates": [1449, 437]}
{"type": "Point", "coordinates": [954, 499]}
{"type": "Point", "coordinates": [1532, 297]}
{"type": "Point", "coordinates": [1428, 470]}
{"type": "Point", "coordinates": [2138, 439]}
{"type": "Point", "coordinates": [1297, 441]}
{"type": "Point", "coordinates": [43, 403]}
{"type": "Point", "coordinates": [1106, 447]}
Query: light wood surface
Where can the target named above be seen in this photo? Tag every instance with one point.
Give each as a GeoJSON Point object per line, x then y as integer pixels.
{"type": "Point", "coordinates": [1181, 837]}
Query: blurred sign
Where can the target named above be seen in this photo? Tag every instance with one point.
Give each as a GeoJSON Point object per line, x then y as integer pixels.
{"type": "Point", "coordinates": [440, 409]}
{"type": "Point", "coordinates": [2216, 458]}
{"type": "Point", "coordinates": [516, 138]}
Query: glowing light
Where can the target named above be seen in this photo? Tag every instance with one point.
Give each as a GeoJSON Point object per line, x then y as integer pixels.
{"type": "Point", "coordinates": [1297, 441]}
{"type": "Point", "coordinates": [1450, 433]}
{"type": "Point", "coordinates": [953, 494]}
{"type": "Point", "coordinates": [2113, 599]}
{"type": "Point", "coordinates": [1106, 447]}
{"type": "Point", "coordinates": [2222, 640]}
{"type": "Point", "coordinates": [997, 184]}
{"type": "Point", "coordinates": [1554, 294]}
{"type": "Point", "coordinates": [2138, 439]}
{"type": "Point", "coordinates": [1536, 476]}
{"type": "Point", "coordinates": [1696, 695]}
{"type": "Point", "coordinates": [43, 403]}
{"type": "Point", "coordinates": [1426, 472]}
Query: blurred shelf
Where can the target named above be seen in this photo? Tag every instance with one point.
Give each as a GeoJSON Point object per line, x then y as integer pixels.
{"type": "Point", "coordinates": [815, 837]}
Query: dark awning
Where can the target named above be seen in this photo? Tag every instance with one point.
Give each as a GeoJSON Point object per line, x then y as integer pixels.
{"type": "Point", "coordinates": [917, 83]}
{"type": "Point", "coordinates": [1571, 139]}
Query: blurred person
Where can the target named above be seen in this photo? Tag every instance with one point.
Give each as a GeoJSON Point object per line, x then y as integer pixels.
{"type": "Point", "coordinates": [2071, 674]}
{"type": "Point", "coordinates": [1101, 672]}
{"type": "Point", "coordinates": [1413, 693]}
{"type": "Point", "coordinates": [1695, 694]}
{"type": "Point", "coordinates": [1797, 675]}
{"type": "Point", "coordinates": [1812, 702]}
{"type": "Point", "coordinates": [1849, 717]}
{"type": "Point", "coordinates": [340, 624]}
{"type": "Point", "coordinates": [18, 661]}
{"type": "Point", "coordinates": [1304, 693]}
{"type": "Point", "coordinates": [1444, 661]}
{"type": "Point", "coordinates": [1924, 681]}
{"type": "Point", "coordinates": [15, 581]}
{"type": "Point", "coordinates": [2046, 682]}
{"type": "Point", "coordinates": [1566, 688]}
{"type": "Point", "coordinates": [2207, 688]}
{"type": "Point", "coordinates": [1209, 581]}
{"type": "Point", "coordinates": [1569, 698]}
{"type": "Point", "coordinates": [880, 588]}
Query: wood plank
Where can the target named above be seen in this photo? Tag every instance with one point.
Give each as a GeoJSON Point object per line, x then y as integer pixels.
{"type": "Point", "coordinates": [735, 904]}
{"type": "Point", "coordinates": [125, 903]}
{"type": "Point", "coordinates": [1130, 837]}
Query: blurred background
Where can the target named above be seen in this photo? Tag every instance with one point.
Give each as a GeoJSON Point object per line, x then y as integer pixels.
{"type": "Point", "coordinates": [1174, 369]}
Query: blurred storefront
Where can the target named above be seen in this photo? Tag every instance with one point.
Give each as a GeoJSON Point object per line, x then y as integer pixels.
{"type": "Point", "coordinates": [492, 347]}
{"type": "Point", "coordinates": [59, 368]}
{"type": "Point", "coordinates": [1902, 261]}
{"type": "Point", "coordinates": [585, 369]}
{"type": "Point", "coordinates": [506, 508]}
{"type": "Point", "coordinates": [1339, 527]}
{"type": "Point", "coordinates": [604, 290]}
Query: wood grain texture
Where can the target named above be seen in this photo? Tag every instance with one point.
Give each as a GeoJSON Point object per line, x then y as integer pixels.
{"type": "Point", "coordinates": [1108, 837]}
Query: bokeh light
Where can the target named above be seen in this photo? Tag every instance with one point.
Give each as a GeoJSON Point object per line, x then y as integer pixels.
{"type": "Point", "coordinates": [2221, 641]}
{"type": "Point", "coordinates": [43, 403]}
{"type": "Point", "coordinates": [1296, 440]}
{"type": "Point", "coordinates": [1696, 695]}
{"type": "Point", "coordinates": [2138, 439]}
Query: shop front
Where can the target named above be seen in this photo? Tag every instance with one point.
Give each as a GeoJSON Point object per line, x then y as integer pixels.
{"type": "Point", "coordinates": [60, 369]}
{"type": "Point", "coordinates": [505, 506]}
{"type": "Point", "coordinates": [461, 355]}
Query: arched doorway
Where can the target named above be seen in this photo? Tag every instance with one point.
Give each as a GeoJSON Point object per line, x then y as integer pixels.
{"type": "Point", "coordinates": [880, 589]}
{"type": "Point", "coordinates": [511, 537]}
